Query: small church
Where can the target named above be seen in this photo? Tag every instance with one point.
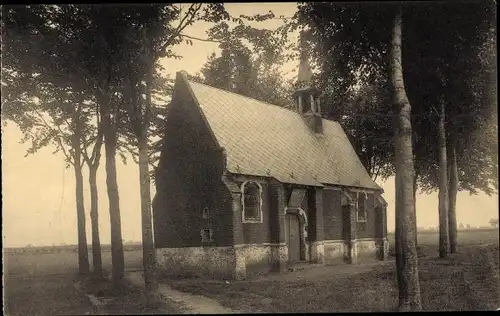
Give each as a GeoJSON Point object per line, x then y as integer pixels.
{"type": "Point", "coordinates": [245, 187]}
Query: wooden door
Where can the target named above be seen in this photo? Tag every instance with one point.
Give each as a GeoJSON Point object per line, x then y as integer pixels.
{"type": "Point", "coordinates": [293, 237]}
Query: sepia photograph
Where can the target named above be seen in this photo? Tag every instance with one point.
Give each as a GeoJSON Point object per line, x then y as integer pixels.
{"type": "Point", "coordinates": [249, 157]}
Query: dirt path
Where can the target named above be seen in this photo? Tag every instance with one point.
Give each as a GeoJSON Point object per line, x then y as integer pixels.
{"type": "Point", "coordinates": [319, 273]}
{"type": "Point", "coordinates": [189, 303]}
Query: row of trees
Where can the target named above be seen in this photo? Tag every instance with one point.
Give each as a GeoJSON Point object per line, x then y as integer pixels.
{"type": "Point", "coordinates": [88, 77]}
{"type": "Point", "coordinates": [441, 60]}
{"type": "Point", "coordinates": [370, 69]}
{"type": "Point", "coordinates": [83, 76]}
{"type": "Point", "coordinates": [449, 68]}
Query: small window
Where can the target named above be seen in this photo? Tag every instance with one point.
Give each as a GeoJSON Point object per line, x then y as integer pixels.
{"type": "Point", "coordinates": [252, 211]}
{"type": "Point", "coordinates": [362, 207]}
{"type": "Point", "coordinates": [306, 104]}
{"type": "Point", "coordinates": [206, 235]}
{"type": "Point", "coordinates": [206, 213]}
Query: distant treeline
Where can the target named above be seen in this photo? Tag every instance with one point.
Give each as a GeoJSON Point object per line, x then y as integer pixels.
{"type": "Point", "coordinates": [472, 229]}
{"type": "Point", "coordinates": [65, 248]}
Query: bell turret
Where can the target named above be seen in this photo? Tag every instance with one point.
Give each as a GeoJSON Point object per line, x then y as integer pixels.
{"type": "Point", "coordinates": [307, 97]}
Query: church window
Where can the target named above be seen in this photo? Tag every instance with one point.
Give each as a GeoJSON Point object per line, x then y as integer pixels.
{"type": "Point", "coordinates": [206, 235]}
{"type": "Point", "coordinates": [252, 202]}
{"type": "Point", "coordinates": [361, 207]}
{"type": "Point", "coordinates": [206, 213]}
{"type": "Point", "coordinates": [306, 101]}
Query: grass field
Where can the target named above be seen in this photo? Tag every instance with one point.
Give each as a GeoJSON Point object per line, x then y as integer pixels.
{"type": "Point", "coordinates": [41, 281]}
{"type": "Point", "coordinates": [46, 260]}
{"type": "Point", "coordinates": [464, 281]}
{"type": "Point", "coordinates": [464, 237]}
{"type": "Point", "coordinates": [38, 281]}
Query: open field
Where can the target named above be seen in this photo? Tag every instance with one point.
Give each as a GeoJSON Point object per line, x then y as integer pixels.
{"type": "Point", "coordinates": [47, 260]}
{"type": "Point", "coordinates": [44, 295]}
{"type": "Point", "coordinates": [42, 282]}
{"type": "Point", "coordinates": [68, 248]}
{"type": "Point", "coordinates": [468, 280]}
{"type": "Point", "coordinates": [464, 281]}
{"type": "Point", "coordinates": [464, 237]}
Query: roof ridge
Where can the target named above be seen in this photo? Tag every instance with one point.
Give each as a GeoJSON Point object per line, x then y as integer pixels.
{"type": "Point", "coordinates": [244, 96]}
{"type": "Point", "coordinates": [259, 143]}
{"type": "Point", "coordinates": [253, 99]}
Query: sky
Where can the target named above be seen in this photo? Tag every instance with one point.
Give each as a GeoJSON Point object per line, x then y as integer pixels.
{"type": "Point", "coordinates": [38, 192]}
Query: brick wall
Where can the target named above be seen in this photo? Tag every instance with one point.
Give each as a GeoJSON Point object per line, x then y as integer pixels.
{"type": "Point", "coordinates": [368, 229]}
{"type": "Point", "coordinates": [318, 206]}
{"type": "Point", "coordinates": [312, 217]}
{"type": "Point", "coordinates": [333, 219]}
{"type": "Point", "coordinates": [258, 233]}
{"type": "Point", "coordinates": [379, 222]}
{"type": "Point", "coordinates": [276, 203]}
{"type": "Point", "coordinates": [189, 179]}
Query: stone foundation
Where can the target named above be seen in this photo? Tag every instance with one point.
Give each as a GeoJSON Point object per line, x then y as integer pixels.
{"type": "Point", "coordinates": [366, 248]}
{"type": "Point", "coordinates": [382, 245]}
{"type": "Point", "coordinates": [238, 262]}
{"type": "Point", "coordinates": [356, 251]}
{"type": "Point", "coordinates": [204, 262]}
{"type": "Point", "coordinates": [317, 252]}
{"type": "Point", "coordinates": [242, 261]}
{"type": "Point", "coordinates": [334, 250]}
{"type": "Point", "coordinates": [253, 259]}
{"type": "Point", "coordinates": [280, 257]}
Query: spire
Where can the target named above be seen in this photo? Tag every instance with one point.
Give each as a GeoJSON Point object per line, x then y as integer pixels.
{"type": "Point", "coordinates": [305, 73]}
{"type": "Point", "coordinates": [307, 97]}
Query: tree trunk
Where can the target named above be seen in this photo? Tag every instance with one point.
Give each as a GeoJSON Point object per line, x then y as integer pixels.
{"type": "Point", "coordinates": [452, 193]}
{"type": "Point", "coordinates": [443, 186]}
{"type": "Point", "coordinates": [148, 251]}
{"type": "Point", "coordinates": [415, 208]}
{"type": "Point", "coordinates": [398, 237]}
{"type": "Point", "coordinates": [83, 251]}
{"type": "Point", "coordinates": [407, 261]}
{"type": "Point", "coordinates": [110, 140]}
{"type": "Point", "coordinates": [96, 243]}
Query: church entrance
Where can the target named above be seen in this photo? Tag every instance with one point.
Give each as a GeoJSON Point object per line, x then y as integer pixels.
{"type": "Point", "coordinates": [293, 237]}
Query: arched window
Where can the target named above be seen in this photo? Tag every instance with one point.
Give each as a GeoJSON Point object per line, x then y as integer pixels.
{"type": "Point", "coordinates": [206, 213]}
{"type": "Point", "coordinates": [306, 101]}
{"type": "Point", "coordinates": [252, 205]}
{"type": "Point", "coordinates": [362, 207]}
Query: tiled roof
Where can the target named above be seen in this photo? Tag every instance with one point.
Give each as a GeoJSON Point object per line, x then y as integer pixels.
{"type": "Point", "coordinates": [266, 140]}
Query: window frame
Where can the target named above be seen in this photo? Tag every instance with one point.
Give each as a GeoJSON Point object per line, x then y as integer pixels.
{"type": "Point", "coordinates": [210, 235]}
{"type": "Point", "coordinates": [205, 213]}
{"type": "Point", "coordinates": [260, 219]}
{"type": "Point", "coordinates": [365, 219]}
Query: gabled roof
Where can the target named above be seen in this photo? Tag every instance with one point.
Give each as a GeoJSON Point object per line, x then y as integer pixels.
{"type": "Point", "coordinates": [266, 140]}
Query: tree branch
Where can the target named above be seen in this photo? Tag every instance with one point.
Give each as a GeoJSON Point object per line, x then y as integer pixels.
{"type": "Point", "coordinates": [375, 176]}
{"type": "Point", "coordinates": [200, 39]}
{"type": "Point", "coordinates": [96, 153]}
{"type": "Point", "coordinates": [85, 155]}
{"type": "Point", "coordinates": [194, 8]}
{"type": "Point", "coordinates": [58, 139]}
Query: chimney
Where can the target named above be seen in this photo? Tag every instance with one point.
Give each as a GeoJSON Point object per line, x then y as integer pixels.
{"type": "Point", "coordinates": [307, 97]}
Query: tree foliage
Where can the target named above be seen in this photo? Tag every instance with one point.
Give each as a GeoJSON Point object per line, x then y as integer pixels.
{"type": "Point", "coordinates": [447, 55]}
{"type": "Point", "coordinates": [249, 62]}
